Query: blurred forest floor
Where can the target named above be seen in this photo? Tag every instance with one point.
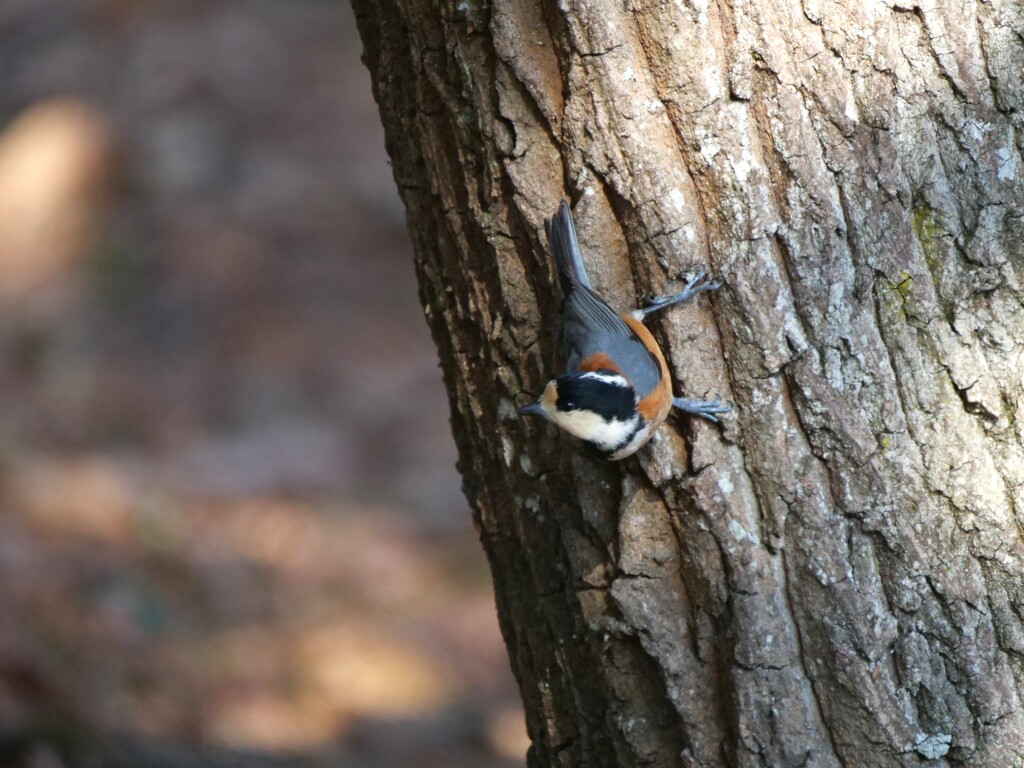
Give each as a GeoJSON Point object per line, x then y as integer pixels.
{"type": "Point", "coordinates": [231, 532]}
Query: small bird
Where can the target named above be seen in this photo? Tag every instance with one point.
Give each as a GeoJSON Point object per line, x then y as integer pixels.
{"type": "Point", "coordinates": [617, 389]}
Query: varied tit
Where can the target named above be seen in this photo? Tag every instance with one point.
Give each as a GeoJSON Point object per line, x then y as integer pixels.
{"type": "Point", "coordinates": [617, 389]}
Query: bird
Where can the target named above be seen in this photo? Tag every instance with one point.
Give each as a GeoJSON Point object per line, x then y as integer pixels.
{"type": "Point", "coordinates": [616, 390]}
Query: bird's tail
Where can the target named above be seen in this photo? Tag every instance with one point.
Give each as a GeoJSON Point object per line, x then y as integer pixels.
{"type": "Point", "coordinates": [562, 239]}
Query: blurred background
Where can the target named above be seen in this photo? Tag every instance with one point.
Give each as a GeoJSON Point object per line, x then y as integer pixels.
{"type": "Point", "coordinates": [231, 532]}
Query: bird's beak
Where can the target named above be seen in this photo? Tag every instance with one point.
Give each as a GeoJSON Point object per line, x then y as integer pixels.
{"type": "Point", "coordinates": [533, 409]}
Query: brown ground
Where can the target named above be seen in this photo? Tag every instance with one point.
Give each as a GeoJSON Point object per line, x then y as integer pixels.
{"type": "Point", "coordinates": [230, 528]}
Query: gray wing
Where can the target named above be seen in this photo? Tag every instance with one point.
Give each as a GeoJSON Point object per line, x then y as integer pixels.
{"type": "Point", "coordinates": [592, 327]}
{"type": "Point", "coordinates": [587, 309]}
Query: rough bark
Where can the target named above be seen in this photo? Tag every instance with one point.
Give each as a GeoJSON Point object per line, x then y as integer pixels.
{"type": "Point", "coordinates": [837, 577]}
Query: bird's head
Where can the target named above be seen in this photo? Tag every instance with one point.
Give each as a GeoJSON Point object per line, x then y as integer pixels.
{"type": "Point", "coordinates": [599, 407]}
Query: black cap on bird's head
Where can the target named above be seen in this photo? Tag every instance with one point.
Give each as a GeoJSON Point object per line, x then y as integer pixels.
{"type": "Point", "coordinates": [603, 392]}
{"type": "Point", "coordinates": [599, 407]}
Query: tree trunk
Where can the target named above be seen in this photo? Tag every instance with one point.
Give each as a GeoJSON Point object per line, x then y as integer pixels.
{"type": "Point", "coordinates": [837, 576]}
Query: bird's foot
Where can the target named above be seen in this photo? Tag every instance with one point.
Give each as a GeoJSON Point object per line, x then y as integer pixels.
{"type": "Point", "coordinates": [706, 409]}
{"type": "Point", "coordinates": [697, 284]}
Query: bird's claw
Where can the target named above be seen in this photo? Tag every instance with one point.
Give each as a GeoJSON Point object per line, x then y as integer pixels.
{"type": "Point", "coordinates": [704, 408]}
{"type": "Point", "coordinates": [696, 284]}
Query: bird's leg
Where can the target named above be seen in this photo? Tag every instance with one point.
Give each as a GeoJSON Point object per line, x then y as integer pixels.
{"type": "Point", "coordinates": [696, 285]}
{"type": "Point", "coordinates": [703, 408]}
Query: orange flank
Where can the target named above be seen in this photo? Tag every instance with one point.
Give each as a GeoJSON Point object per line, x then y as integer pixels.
{"type": "Point", "coordinates": [654, 407]}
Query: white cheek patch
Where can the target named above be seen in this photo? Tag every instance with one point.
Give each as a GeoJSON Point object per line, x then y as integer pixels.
{"type": "Point", "coordinates": [587, 425]}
